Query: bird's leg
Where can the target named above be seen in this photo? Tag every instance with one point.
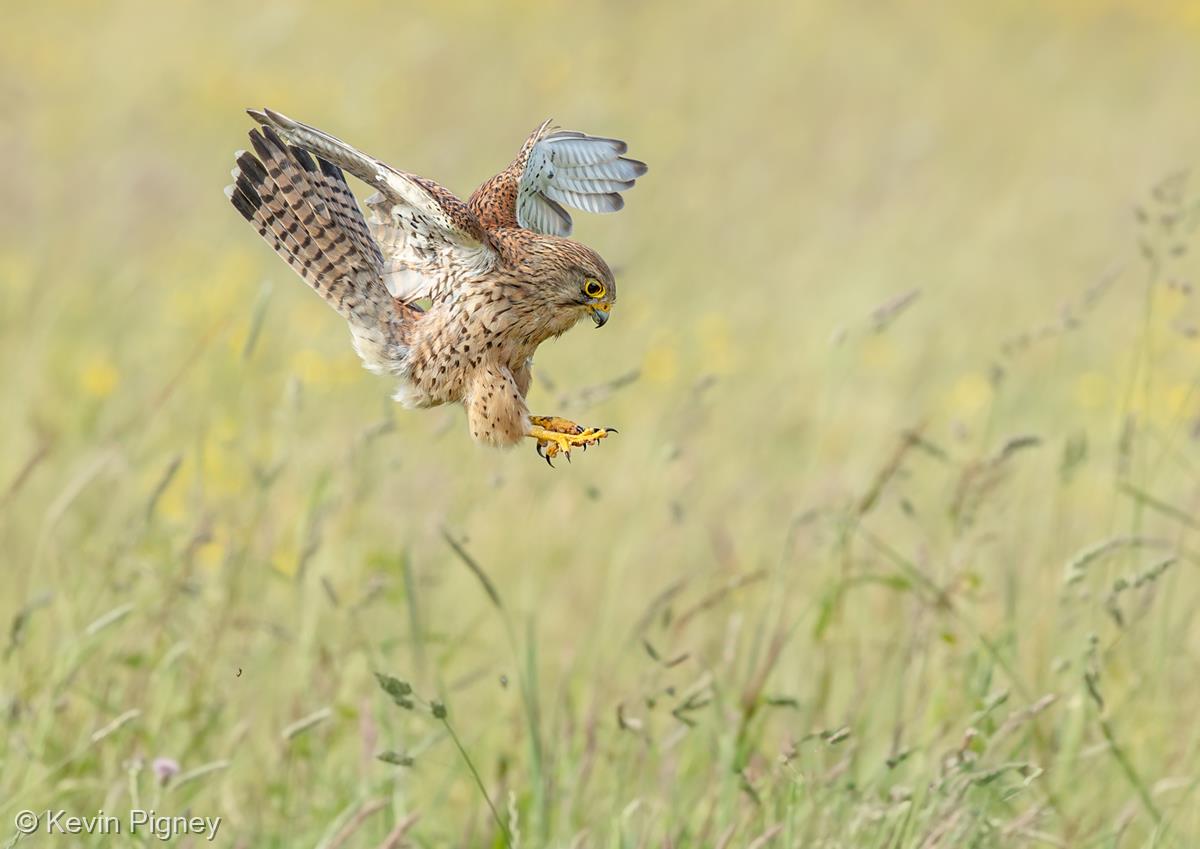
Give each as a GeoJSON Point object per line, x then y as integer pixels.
{"type": "Point", "coordinates": [556, 436]}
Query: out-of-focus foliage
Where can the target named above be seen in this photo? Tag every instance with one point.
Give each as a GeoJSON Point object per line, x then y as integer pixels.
{"type": "Point", "coordinates": [896, 547]}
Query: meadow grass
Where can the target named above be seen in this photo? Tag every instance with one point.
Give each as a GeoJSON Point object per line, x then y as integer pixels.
{"type": "Point", "coordinates": [897, 546]}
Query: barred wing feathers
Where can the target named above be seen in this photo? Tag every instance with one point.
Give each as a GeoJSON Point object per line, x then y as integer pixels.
{"type": "Point", "coordinates": [427, 237]}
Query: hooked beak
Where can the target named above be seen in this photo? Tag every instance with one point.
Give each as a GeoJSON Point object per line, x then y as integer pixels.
{"type": "Point", "coordinates": [599, 314]}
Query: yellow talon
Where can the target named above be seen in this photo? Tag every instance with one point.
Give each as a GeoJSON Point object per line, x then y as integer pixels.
{"type": "Point", "coordinates": [556, 436]}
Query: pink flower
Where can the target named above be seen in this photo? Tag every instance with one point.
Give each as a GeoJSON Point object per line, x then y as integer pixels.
{"type": "Point", "coordinates": [164, 768]}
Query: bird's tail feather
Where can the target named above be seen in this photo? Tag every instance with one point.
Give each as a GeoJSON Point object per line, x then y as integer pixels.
{"type": "Point", "coordinates": [303, 209]}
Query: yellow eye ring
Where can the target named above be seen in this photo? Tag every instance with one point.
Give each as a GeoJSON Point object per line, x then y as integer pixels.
{"type": "Point", "coordinates": [593, 289]}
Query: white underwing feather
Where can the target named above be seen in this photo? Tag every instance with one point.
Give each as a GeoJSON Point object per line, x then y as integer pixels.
{"type": "Point", "coordinates": [587, 202]}
{"type": "Point", "coordinates": [590, 186]}
{"type": "Point", "coordinates": [567, 168]}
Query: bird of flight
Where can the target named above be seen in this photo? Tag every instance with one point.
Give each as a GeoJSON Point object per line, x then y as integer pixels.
{"type": "Point", "coordinates": [498, 273]}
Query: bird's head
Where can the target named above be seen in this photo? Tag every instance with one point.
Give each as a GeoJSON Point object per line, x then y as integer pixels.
{"type": "Point", "coordinates": [557, 282]}
{"type": "Point", "coordinates": [581, 283]}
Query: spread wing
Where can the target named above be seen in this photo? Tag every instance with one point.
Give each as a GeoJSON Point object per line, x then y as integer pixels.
{"type": "Point", "coordinates": [556, 169]}
{"type": "Point", "coordinates": [428, 237]}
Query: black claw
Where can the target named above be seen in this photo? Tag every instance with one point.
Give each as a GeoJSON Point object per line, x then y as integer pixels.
{"type": "Point", "coordinates": [568, 453]}
{"type": "Point", "coordinates": [548, 463]}
{"type": "Point", "coordinates": [611, 430]}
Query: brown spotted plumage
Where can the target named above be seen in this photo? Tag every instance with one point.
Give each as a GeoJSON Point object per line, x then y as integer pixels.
{"type": "Point", "coordinates": [498, 274]}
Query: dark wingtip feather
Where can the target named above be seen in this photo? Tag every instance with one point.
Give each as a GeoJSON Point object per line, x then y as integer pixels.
{"type": "Point", "coordinates": [330, 170]}
{"type": "Point", "coordinates": [240, 202]}
{"type": "Point", "coordinates": [247, 188]}
{"type": "Point", "coordinates": [638, 166]}
{"type": "Point", "coordinates": [259, 143]}
{"type": "Point", "coordinates": [273, 138]}
{"type": "Point", "coordinates": [252, 168]}
{"type": "Point", "coordinates": [259, 116]}
{"type": "Point", "coordinates": [302, 156]}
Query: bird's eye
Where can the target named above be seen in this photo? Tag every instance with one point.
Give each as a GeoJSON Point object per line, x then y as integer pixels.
{"type": "Point", "coordinates": [593, 289]}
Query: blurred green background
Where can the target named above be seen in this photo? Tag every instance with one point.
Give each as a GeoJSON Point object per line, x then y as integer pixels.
{"type": "Point", "coordinates": [896, 546]}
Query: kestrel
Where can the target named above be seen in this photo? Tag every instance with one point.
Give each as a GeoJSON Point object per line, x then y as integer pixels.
{"type": "Point", "coordinates": [451, 298]}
